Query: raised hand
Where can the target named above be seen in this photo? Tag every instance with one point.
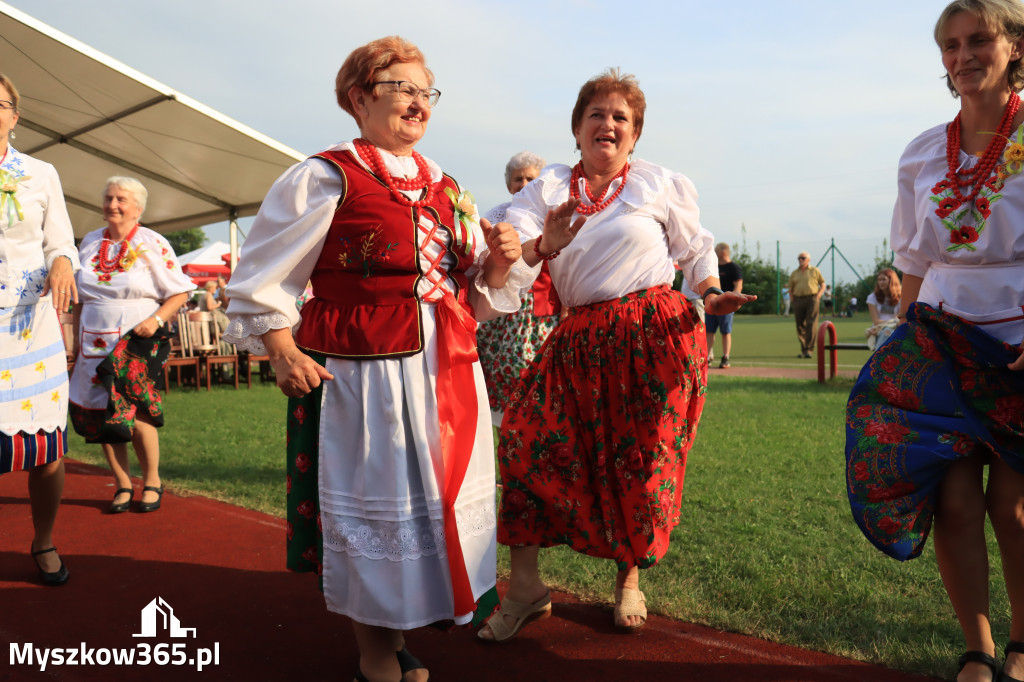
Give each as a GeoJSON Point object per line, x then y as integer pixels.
{"type": "Point", "coordinates": [502, 242]}
{"type": "Point", "coordinates": [559, 227]}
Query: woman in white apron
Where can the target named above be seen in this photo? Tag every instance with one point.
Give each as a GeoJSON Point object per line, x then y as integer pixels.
{"type": "Point", "coordinates": [37, 264]}
{"type": "Point", "coordinates": [130, 282]}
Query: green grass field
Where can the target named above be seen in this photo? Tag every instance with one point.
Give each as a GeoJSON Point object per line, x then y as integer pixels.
{"type": "Point", "coordinates": [767, 545]}
{"type": "Point", "coordinates": [770, 341]}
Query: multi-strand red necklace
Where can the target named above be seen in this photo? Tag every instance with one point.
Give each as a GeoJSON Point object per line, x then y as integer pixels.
{"type": "Point", "coordinates": [598, 203]}
{"type": "Point", "coordinates": [372, 158]}
{"type": "Point", "coordinates": [975, 177]}
{"type": "Point", "coordinates": [106, 264]}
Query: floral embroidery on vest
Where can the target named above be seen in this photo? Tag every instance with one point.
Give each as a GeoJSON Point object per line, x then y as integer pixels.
{"type": "Point", "coordinates": [954, 215]}
{"type": "Point", "coordinates": [369, 257]}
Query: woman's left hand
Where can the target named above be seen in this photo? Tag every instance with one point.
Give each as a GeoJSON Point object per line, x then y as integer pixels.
{"type": "Point", "coordinates": [729, 302]}
{"type": "Point", "coordinates": [502, 242]}
{"type": "Point", "coordinates": [1018, 364]}
{"type": "Point", "coordinates": [61, 281]}
{"type": "Point", "coordinates": [147, 327]}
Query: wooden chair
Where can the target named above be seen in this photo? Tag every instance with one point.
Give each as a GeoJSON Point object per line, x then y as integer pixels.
{"type": "Point", "coordinates": [67, 324]}
{"type": "Point", "coordinates": [206, 343]}
{"type": "Point", "coordinates": [249, 360]}
{"type": "Point", "coordinates": [181, 354]}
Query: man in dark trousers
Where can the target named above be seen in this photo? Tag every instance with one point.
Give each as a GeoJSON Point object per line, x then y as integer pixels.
{"type": "Point", "coordinates": [806, 286]}
{"type": "Point", "coordinates": [732, 280]}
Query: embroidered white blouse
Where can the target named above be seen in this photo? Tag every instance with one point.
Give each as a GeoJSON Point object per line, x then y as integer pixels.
{"type": "Point", "coordinates": [629, 246]}
{"type": "Point", "coordinates": [381, 461]}
{"type": "Point", "coordinates": [114, 303]}
{"type": "Point", "coordinates": [284, 243]}
{"type": "Point", "coordinates": [30, 244]}
{"type": "Point", "coordinates": [970, 258]}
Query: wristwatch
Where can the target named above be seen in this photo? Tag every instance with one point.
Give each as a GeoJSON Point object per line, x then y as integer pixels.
{"type": "Point", "coordinates": [710, 290]}
{"type": "Point", "coordinates": [159, 320]}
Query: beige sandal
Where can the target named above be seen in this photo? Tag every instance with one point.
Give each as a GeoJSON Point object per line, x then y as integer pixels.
{"type": "Point", "coordinates": [524, 614]}
{"type": "Point", "coordinates": [629, 602]}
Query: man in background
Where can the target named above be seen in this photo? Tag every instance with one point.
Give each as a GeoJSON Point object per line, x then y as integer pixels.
{"type": "Point", "coordinates": [806, 285]}
{"type": "Point", "coordinates": [732, 280]}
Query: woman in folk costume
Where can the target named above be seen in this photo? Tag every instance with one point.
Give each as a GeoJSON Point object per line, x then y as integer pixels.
{"type": "Point", "coordinates": [37, 263]}
{"type": "Point", "coordinates": [131, 284]}
{"type": "Point", "coordinates": [508, 344]}
{"type": "Point", "coordinates": [944, 397]}
{"type": "Point", "coordinates": [390, 455]}
{"type": "Point", "coordinates": [594, 442]}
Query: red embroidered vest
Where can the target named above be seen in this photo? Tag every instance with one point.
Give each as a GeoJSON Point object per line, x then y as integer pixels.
{"type": "Point", "coordinates": [364, 303]}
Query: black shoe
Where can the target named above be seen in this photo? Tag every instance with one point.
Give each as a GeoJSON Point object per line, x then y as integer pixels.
{"type": "Point", "coordinates": [56, 578]}
{"type": "Point", "coordinates": [725, 362]}
{"type": "Point", "coordinates": [1012, 647]}
{"type": "Point", "coordinates": [407, 662]}
{"type": "Point", "coordinates": [122, 506]}
{"type": "Point", "coordinates": [151, 506]}
{"type": "Point", "coordinates": [979, 657]}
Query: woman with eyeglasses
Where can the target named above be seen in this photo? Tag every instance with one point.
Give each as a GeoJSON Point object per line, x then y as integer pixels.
{"type": "Point", "coordinates": [595, 437]}
{"type": "Point", "coordinates": [38, 259]}
{"type": "Point", "coordinates": [390, 451]}
{"type": "Point", "coordinates": [943, 399]}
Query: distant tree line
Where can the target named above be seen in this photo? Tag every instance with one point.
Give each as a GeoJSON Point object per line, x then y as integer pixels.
{"type": "Point", "coordinates": [763, 278]}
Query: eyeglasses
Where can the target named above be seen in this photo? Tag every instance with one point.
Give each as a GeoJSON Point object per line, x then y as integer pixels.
{"type": "Point", "coordinates": [801, 257]}
{"type": "Point", "coordinates": [6, 105]}
{"type": "Point", "coordinates": [407, 92]}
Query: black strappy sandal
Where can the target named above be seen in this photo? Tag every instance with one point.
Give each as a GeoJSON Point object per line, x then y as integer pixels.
{"type": "Point", "coordinates": [1012, 647]}
{"type": "Point", "coordinates": [407, 662]}
{"type": "Point", "coordinates": [978, 657]}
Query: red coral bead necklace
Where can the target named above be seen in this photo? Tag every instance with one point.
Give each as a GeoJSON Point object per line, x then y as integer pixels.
{"type": "Point", "coordinates": [106, 264]}
{"type": "Point", "coordinates": [423, 180]}
{"type": "Point", "coordinates": [598, 203]}
{"type": "Point", "coordinates": [975, 177]}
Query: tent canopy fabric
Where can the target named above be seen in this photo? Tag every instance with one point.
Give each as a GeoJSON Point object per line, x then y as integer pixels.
{"type": "Point", "coordinates": [93, 117]}
{"type": "Point", "coordinates": [206, 264]}
{"type": "Point", "coordinates": [211, 254]}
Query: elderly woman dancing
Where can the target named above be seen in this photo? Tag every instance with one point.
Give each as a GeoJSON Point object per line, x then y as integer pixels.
{"type": "Point", "coordinates": [390, 455]}
{"type": "Point", "coordinates": [917, 450]}
{"type": "Point", "coordinates": [508, 344]}
{"type": "Point", "coordinates": [37, 264]}
{"type": "Point", "coordinates": [131, 285]}
{"type": "Point", "coordinates": [594, 442]}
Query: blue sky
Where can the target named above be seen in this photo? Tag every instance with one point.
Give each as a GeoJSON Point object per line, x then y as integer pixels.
{"type": "Point", "coordinates": [789, 116]}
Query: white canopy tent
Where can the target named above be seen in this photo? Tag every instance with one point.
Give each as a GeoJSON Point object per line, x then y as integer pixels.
{"type": "Point", "coordinates": [211, 253]}
{"type": "Point", "coordinates": [93, 117]}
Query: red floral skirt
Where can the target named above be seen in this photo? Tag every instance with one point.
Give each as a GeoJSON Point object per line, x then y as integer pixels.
{"type": "Point", "coordinates": [594, 440]}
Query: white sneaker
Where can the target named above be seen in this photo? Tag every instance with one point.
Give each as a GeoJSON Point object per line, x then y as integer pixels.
{"type": "Point", "coordinates": [711, 356]}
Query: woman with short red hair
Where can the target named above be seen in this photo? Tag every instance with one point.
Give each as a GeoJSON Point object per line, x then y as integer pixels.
{"type": "Point", "coordinates": [594, 439]}
{"type": "Point", "coordinates": [390, 452]}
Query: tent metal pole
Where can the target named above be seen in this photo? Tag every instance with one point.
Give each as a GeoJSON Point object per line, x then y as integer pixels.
{"type": "Point", "coordinates": [233, 231]}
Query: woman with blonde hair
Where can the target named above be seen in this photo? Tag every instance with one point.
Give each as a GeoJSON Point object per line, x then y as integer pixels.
{"type": "Point", "coordinates": [943, 398]}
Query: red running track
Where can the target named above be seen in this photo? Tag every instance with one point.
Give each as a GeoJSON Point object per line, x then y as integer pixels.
{"type": "Point", "coordinates": [221, 569]}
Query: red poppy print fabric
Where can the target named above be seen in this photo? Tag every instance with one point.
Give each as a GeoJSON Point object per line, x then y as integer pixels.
{"type": "Point", "coordinates": [594, 440]}
{"type": "Point", "coordinates": [904, 425]}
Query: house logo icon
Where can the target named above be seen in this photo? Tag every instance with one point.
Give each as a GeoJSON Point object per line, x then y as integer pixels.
{"type": "Point", "coordinates": [159, 616]}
